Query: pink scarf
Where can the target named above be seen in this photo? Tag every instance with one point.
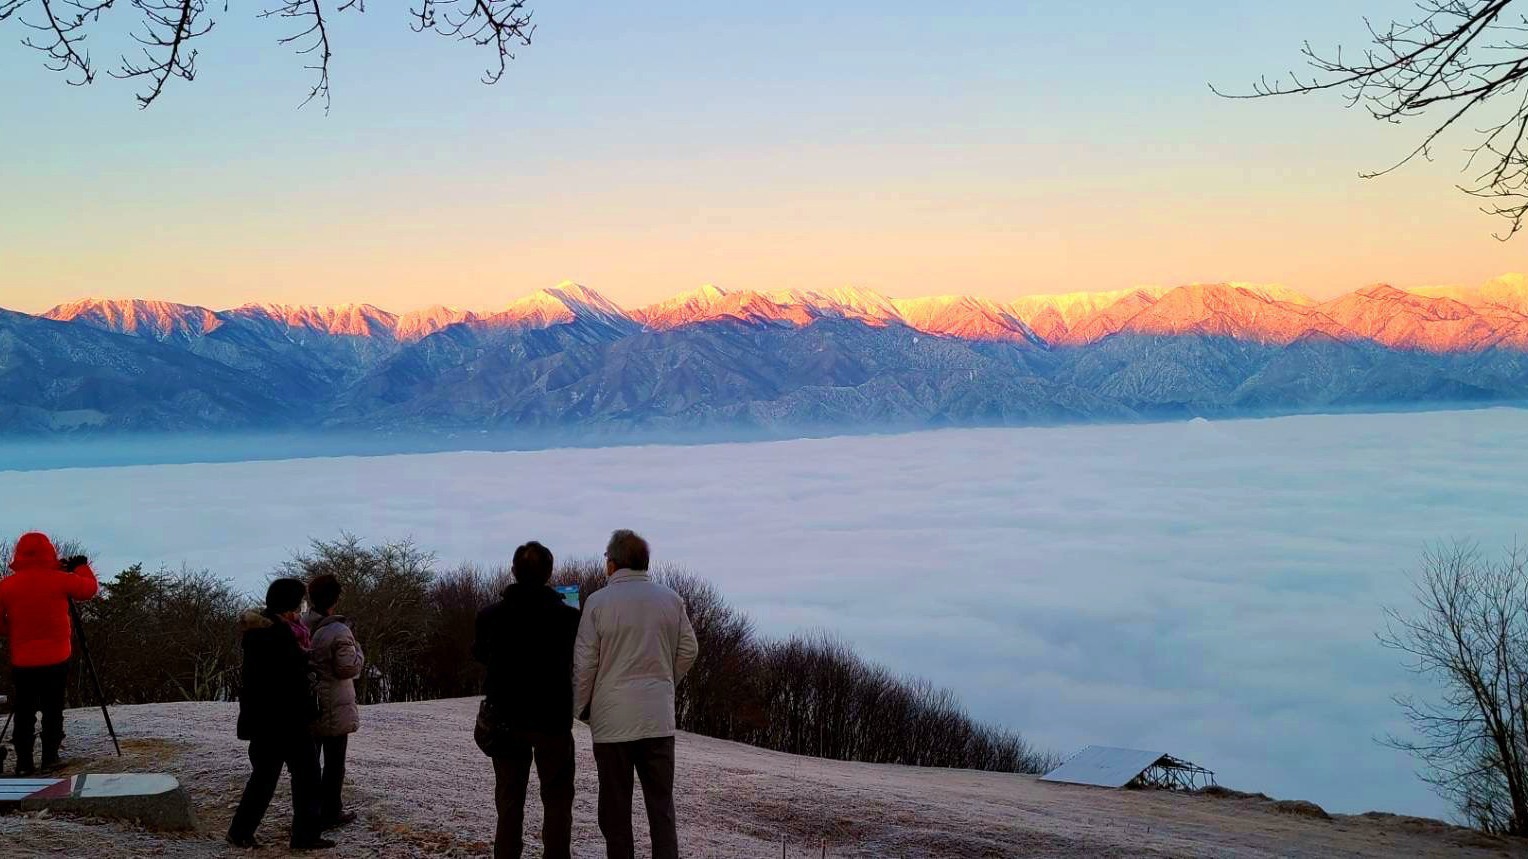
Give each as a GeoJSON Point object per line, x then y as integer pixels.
{"type": "Point", "coordinates": [304, 638]}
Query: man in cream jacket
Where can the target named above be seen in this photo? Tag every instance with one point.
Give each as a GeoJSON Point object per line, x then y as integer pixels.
{"type": "Point", "coordinates": [634, 645]}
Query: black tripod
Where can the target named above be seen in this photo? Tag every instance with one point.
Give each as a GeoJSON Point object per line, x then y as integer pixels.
{"type": "Point", "coordinates": [95, 679]}
{"type": "Point", "coordinates": [3, 749]}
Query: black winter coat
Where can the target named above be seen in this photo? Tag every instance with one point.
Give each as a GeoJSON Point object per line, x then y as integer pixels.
{"type": "Point", "coordinates": [276, 698]}
{"type": "Point", "coordinates": [526, 641]}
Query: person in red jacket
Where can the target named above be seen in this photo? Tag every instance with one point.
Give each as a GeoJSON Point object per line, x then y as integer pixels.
{"type": "Point", "coordinates": [34, 614]}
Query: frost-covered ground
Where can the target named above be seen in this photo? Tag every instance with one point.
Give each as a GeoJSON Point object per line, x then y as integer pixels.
{"type": "Point", "coordinates": [1208, 589]}
{"type": "Point", "coordinates": [423, 789]}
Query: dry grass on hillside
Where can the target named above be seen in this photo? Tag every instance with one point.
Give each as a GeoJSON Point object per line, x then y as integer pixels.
{"type": "Point", "coordinates": [424, 790]}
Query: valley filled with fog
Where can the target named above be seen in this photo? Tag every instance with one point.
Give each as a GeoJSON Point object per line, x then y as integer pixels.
{"type": "Point", "coordinates": [1210, 590]}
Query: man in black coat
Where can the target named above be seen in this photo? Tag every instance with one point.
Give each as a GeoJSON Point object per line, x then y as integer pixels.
{"type": "Point", "coordinates": [276, 712]}
{"type": "Point", "coordinates": [526, 641]}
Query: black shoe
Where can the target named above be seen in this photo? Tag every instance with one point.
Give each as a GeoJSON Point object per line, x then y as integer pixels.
{"type": "Point", "coordinates": [314, 844]}
{"type": "Point", "coordinates": [51, 765]}
{"type": "Point", "coordinates": [344, 818]}
{"type": "Point", "coordinates": [24, 769]}
{"type": "Point", "coordinates": [248, 842]}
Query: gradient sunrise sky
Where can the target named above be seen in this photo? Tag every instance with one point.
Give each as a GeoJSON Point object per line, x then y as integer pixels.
{"type": "Point", "coordinates": [994, 148]}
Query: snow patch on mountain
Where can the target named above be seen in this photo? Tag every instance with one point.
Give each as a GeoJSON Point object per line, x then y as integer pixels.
{"type": "Point", "coordinates": [681, 309]}
{"type": "Point", "coordinates": [346, 320]}
{"type": "Point", "coordinates": [964, 316]}
{"type": "Point", "coordinates": [139, 317]}
{"type": "Point", "coordinates": [1506, 293]}
{"type": "Point", "coordinates": [568, 302]}
{"type": "Point", "coordinates": [418, 324]}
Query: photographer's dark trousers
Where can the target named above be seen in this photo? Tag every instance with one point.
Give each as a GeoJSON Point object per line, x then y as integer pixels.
{"type": "Point", "coordinates": [39, 689]}
{"type": "Point", "coordinates": [653, 762]}
{"type": "Point", "coordinates": [554, 758]}
{"type": "Point", "coordinates": [332, 782]}
{"type": "Point", "coordinates": [266, 757]}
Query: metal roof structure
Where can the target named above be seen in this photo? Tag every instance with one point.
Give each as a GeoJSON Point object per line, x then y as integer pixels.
{"type": "Point", "coordinates": [1107, 766]}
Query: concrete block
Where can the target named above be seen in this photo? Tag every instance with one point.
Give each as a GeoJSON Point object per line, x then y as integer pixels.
{"type": "Point", "coordinates": [152, 800]}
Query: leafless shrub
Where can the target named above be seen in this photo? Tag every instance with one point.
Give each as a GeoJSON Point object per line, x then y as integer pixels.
{"type": "Point", "coordinates": [454, 601]}
{"type": "Point", "coordinates": [820, 698]}
{"type": "Point", "coordinates": [1469, 634]}
{"type": "Point", "coordinates": [715, 697]}
{"type": "Point", "coordinates": [166, 636]}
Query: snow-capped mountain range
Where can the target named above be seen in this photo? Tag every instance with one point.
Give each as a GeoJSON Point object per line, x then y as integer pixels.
{"type": "Point", "coordinates": [567, 357]}
{"type": "Point", "coordinates": [1440, 319]}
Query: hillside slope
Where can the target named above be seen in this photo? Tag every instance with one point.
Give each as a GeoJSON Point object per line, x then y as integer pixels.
{"type": "Point", "coordinates": [424, 790]}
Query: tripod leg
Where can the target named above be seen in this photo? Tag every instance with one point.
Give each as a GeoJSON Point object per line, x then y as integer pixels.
{"type": "Point", "coordinates": [95, 679]}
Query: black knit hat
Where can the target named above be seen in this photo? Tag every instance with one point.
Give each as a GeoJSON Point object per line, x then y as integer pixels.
{"type": "Point", "coordinates": [284, 595]}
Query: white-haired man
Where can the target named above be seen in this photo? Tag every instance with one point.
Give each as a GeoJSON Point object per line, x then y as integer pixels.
{"type": "Point", "coordinates": [634, 645]}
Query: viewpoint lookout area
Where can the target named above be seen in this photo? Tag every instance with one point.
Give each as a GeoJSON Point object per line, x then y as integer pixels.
{"type": "Point", "coordinates": [423, 789]}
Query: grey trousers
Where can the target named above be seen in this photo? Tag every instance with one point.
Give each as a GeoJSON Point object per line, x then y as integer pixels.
{"type": "Point", "coordinates": [652, 762]}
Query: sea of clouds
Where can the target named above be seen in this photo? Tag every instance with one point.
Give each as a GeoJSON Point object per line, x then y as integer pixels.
{"type": "Point", "coordinates": [1211, 590]}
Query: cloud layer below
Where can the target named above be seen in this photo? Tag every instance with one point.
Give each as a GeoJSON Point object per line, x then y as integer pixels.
{"type": "Point", "coordinates": [1209, 589]}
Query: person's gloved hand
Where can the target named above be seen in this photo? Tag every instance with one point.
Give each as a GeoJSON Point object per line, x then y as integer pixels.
{"type": "Point", "coordinates": [73, 562]}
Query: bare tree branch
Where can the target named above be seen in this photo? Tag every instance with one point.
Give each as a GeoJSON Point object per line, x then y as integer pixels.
{"type": "Point", "coordinates": [501, 24]}
{"type": "Point", "coordinates": [62, 25]}
{"type": "Point", "coordinates": [1467, 58]}
{"type": "Point", "coordinates": [166, 29]}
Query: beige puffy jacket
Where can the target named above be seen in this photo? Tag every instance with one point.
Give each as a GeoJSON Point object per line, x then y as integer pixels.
{"type": "Point", "coordinates": [337, 660]}
{"type": "Point", "coordinates": [634, 645]}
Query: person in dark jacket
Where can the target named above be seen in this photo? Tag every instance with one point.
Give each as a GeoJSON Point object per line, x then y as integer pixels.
{"type": "Point", "coordinates": [276, 712]}
{"type": "Point", "coordinates": [34, 616]}
{"type": "Point", "coordinates": [526, 641]}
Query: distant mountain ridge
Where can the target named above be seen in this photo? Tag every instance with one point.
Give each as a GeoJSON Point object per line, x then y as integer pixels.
{"type": "Point", "coordinates": [568, 358]}
{"type": "Point", "coordinates": [1440, 319]}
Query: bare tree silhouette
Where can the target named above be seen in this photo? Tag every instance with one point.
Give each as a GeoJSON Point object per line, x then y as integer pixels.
{"type": "Point", "coordinates": [1469, 634]}
{"type": "Point", "coordinates": [167, 32]}
{"type": "Point", "coordinates": [1452, 59]}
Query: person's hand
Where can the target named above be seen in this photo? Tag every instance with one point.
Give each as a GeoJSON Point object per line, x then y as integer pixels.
{"type": "Point", "coordinates": [73, 562]}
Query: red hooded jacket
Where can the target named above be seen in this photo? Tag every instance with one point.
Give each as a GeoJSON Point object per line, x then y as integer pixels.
{"type": "Point", "coordinates": [34, 603]}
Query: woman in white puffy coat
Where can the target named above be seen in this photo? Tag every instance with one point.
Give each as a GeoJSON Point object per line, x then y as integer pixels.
{"type": "Point", "coordinates": [337, 660]}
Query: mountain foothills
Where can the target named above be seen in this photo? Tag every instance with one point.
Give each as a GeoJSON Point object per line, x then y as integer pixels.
{"type": "Point", "coordinates": [569, 360]}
